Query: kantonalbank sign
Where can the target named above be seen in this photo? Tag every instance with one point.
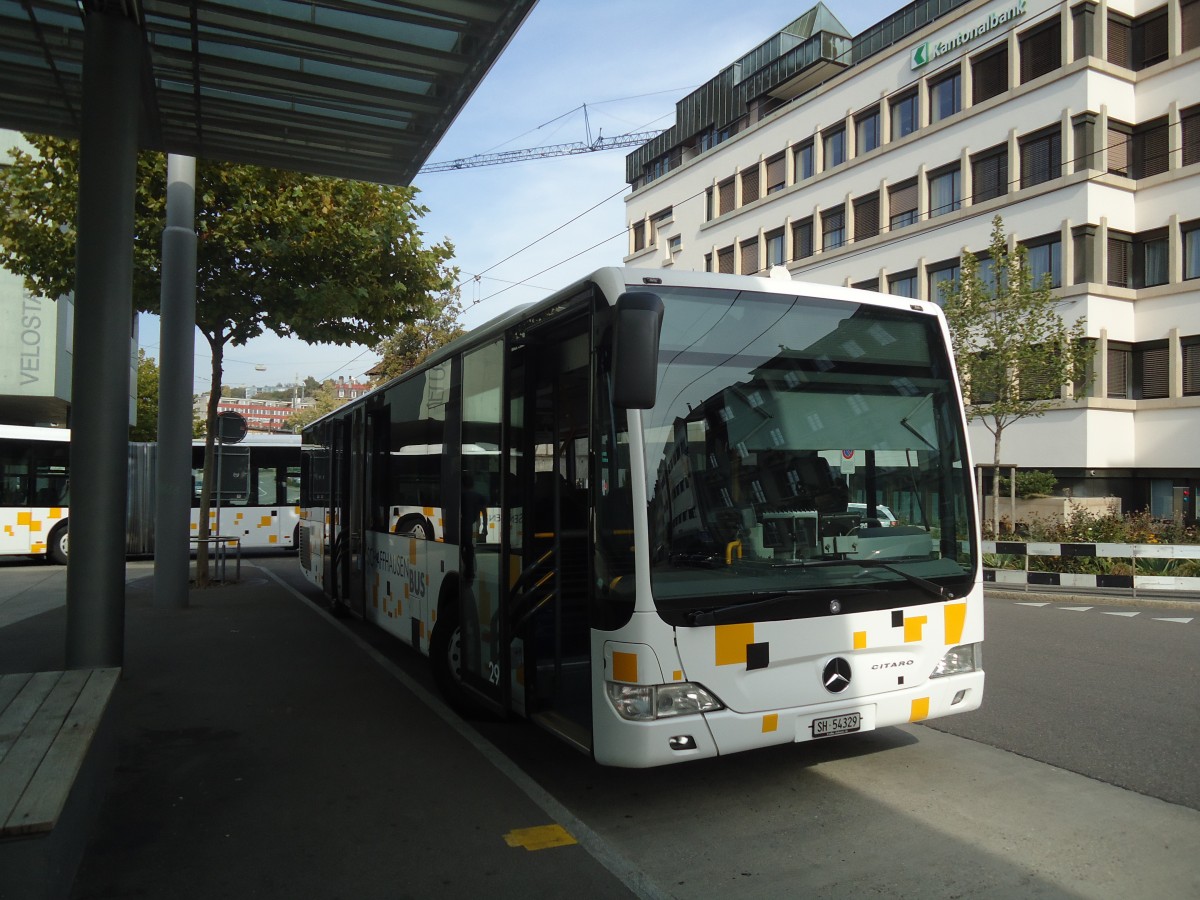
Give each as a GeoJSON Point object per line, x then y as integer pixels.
{"type": "Point", "coordinates": [925, 53]}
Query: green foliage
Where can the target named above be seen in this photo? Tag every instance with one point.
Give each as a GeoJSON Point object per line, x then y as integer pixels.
{"type": "Point", "coordinates": [1030, 483]}
{"type": "Point", "coordinates": [146, 426]}
{"type": "Point", "coordinates": [414, 343]}
{"type": "Point", "coordinates": [1013, 350]}
{"type": "Point", "coordinates": [325, 260]}
{"type": "Point", "coordinates": [325, 400]}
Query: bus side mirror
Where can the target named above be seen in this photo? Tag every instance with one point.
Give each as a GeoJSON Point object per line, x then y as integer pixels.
{"type": "Point", "coordinates": [636, 329]}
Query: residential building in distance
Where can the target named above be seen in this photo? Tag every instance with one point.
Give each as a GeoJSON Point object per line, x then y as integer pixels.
{"type": "Point", "coordinates": [874, 160]}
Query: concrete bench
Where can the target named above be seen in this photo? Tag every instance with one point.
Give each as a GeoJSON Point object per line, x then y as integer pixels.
{"type": "Point", "coordinates": [57, 753]}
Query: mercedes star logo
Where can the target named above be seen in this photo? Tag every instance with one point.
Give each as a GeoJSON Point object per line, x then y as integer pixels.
{"type": "Point", "coordinates": [836, 676]}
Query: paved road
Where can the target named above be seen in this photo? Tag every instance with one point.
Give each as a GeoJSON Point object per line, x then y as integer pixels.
{"type": "Point", "coordinates": [1108, 691]}
{"type": "Point", "coordinates": [912, 811]}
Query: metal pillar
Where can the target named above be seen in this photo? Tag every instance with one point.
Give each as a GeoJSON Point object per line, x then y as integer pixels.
{"type": "Point", "coordinates": [177, 328]}
{"type": "Point", "coordinates": [100, 378]}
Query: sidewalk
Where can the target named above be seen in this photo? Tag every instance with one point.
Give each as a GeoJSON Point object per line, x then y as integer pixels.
{"type": "Point", "coordinates": [264, 754]}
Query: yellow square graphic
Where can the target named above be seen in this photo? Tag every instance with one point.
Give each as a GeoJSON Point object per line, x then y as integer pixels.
{"type": "Point", "coordinates": [731, 641]}
{"type": "Point", "coordinates": [860, 640]}
{"type": "Point", "coordinates": [912, 628]}
{"type": "Point", "coordinates": [770, 723]}
{"type": "Point", "coordinates": [625, 667]}
{"type": "Point", "coordinates": [956, 618]}
{"type": "Point", "coordinates": [920, 709]}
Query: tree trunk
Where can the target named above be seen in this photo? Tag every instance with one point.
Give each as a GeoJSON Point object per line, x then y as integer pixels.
{"type": "Point", "coordinates": [996, 485]}
{"type": "Point", "coordinates": [206, 484]}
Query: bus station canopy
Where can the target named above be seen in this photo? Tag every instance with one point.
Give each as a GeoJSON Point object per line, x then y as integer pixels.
{"type": "Point", "coordinates": [360, 89]}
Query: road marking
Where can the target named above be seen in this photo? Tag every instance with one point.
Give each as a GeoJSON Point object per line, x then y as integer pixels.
{"type": "Point", "coordinates": [1030, 603]}
{"type": "Point", "coordinates": [539, 837]}
{"type": "Point", "coordinates": [1180, 621]}
{"type": "Point", "coordinates": [1076, 608]}
{"type": "Point", "coordinates": [1128, 615]}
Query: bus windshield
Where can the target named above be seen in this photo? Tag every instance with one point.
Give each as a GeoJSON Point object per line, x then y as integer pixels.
{"type": "Point", "coordinates": [802, 449]}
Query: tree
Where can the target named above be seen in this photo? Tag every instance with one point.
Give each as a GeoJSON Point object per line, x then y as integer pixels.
{"type": "Point", "coordinates": [325, 260]}
{"type": "Point", "coordinates": [146, 404]}
{"type": "Point", "coordinates": [1014, 351]}
{"type": "Point", "coordinates": [324, 401]}
{"type": "Point", "coordinates": [414, 343]}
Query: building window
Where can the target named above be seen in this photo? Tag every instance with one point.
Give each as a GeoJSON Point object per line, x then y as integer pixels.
{"type": "Point", "coordinates": [1191, 249]}
{"type": "Point", "coordinates": [1119, 43]}
{"type": "Point", "coordinates": [749, 254]}
{"type": "Point", "coordinates": [675, 243]}
{"type": "Point", "coordinates": [708, 262]}
{"type": "Point", "coordinates": [802, 239]}
{"type": "Point", "coordinates": [775, 251]}
{"type": "Point", "coordinates": [1150, 259]}
{"type": "Point", "coordinates": [871, 284]}
{"type": "Point", "coordinates": [1044, 258]}
{"type": "Point", "coordinates": [989, 173]}
{"type": "Point", "coordinates": [902, 202]}
{"type": "Point", "coordinates": [945, 190]}
{"type": "Point", "coordinates": [804, 161]}
{"type": "Point", "coordinates": [1119, 252]}
{"type": "Point", "coordinates": [866, 216]}
{"type": "Point", "coordinates": [942, 277]}
{"type": "Point", "coordinates": [866, 131]}
{"type": "Point", "coordinates": [1151, 361]}
{"type": "Point", "coordinates": [1119, 370]}
{"type": "Point", "coordinates": [725, 260]}
{"type": "Point", "coordinates": [749, 185]}
{"type": "Point", "coordinates": [776, 173]}
{"type": "Point", "coordinates": [1189, 122]}
{"type": "Point", "coordinates": [1190, 347]}
{"type": "Point", "coordinates": [1041, 50]}
{"type": "Point", "coordinates": [639, 236]}
{"type": "Point", "coordinates": [833, 228]}
{"type": "Point", "coordinates": [904, 114]}
{"type": "Point", "coordinates": [945, 96]}
{"type": "Point", "coordinates": [1149, 39]}
{"type": "Point", "coordinates": [1120, 136]}
{"type": "Point", "coordinates": [985, 271]}
{"type": "Point", "coordinates": [1151, 148]}
{"type": "Point", "coordinates": [833, 147]}
{"type": "Point", "coordinates": [903, 284]}
{"type": "Point", "coordinates": [1041, 157]}
{"type": "Point", "coordinates": [1189, 24]}
{"type": "Point", "coordinates": [989, 74]}
{"type": "Point", "coordinates": [725, 196]}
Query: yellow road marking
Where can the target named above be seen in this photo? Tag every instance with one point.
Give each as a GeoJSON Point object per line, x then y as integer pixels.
{"type": "Point", "coordinates": [540, 837]}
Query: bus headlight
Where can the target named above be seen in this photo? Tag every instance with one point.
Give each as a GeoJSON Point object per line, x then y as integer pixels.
{"type": "Point", "coordinates": [958, 660]}
{"type": "Point", "coordinates": [644, 702]}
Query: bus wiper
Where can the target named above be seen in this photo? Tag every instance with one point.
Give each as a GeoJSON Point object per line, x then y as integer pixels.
{"type": "Point", "coordinates": [923, 583]}
{"type": "Point", "coordinates": [710, 616]}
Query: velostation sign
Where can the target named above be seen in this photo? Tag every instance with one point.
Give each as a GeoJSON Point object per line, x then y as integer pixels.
{"type": "Point", "coordinates": [926, 52]}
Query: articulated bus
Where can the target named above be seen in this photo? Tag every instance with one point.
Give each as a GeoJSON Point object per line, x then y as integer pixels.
{"type": "Point", "coordinates": [259, 497]}
{"type": "Point", "coordinates": [668, 516]}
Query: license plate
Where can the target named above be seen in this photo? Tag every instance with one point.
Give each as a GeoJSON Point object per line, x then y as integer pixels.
{"type": "Point", "coordinates": [831, 726]}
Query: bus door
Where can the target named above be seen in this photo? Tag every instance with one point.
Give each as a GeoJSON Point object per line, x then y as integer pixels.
{"type": "Point", "coordinates": [485, 663]}
{"type": "Point", "coordinates": [356, 524]}
{"type": "Point", "coordinates": [550, 595]}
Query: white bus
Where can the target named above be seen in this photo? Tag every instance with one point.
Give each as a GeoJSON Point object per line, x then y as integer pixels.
{"type": "Point", "coordinates": [34, 491]}
{"type": "Point", "coordinates": [259, 499]}
{"type": "Point", "coordinates": [702, 513]}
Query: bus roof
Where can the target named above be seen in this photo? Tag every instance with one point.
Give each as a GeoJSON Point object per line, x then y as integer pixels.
{"type": "Point", "coordinates": [614, 280]}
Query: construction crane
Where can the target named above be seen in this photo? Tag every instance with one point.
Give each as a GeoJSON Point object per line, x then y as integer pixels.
{"type": "Point", "coordinates": [589, 145]}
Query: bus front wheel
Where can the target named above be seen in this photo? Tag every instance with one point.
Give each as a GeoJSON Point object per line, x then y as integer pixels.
{"type": "Point", "coordinates": [57, 545]}
{"type": "Point", "coordinates": [445, 655]}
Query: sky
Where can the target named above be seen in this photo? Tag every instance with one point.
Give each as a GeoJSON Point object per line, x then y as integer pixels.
{"type": "Point", "coordinates": [523, 230]}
